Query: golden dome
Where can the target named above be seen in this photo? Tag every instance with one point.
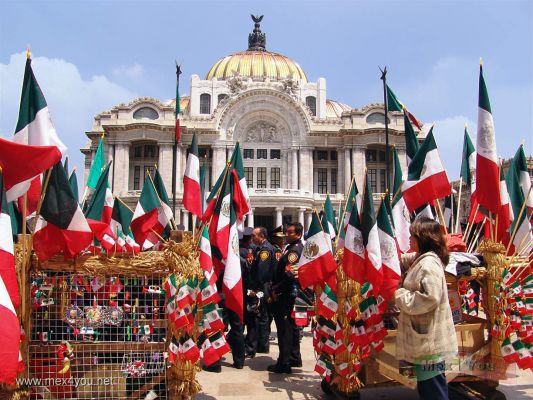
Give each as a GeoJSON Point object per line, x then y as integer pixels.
{"type": "Point", "coordinates": [256, 65]}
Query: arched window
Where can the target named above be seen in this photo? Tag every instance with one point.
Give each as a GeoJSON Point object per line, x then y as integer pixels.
{"type": "Point", "coordinates": [145, 112]}
{"type": "Point", "coordinates": [311, 103]}
{"type": "Point", "coordinates": [222, 97]}
{"type": "Point", "coordinates": [205, 103]}
{"type": "Point", "coordinates": [376, 118]}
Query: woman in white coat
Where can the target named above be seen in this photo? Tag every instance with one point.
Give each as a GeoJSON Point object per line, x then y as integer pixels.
{"type": "Point", "coordinates": [426, 334]}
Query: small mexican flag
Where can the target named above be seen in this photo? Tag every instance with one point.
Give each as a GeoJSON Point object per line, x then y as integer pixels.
{"type": "Point", "coordinates": [219, 343]}
{"type": "Point", "coordinates": [189, 350]}
{"type": "Point", "coordinates": [208, 353]}
{"type": "Point", "coordinates": [173, 350]}
{"type": "Point", "coordinates": [330, 218]}
{"type": "Point", "coordinates": [508, 351]}
{"type": "Point", "coordinates": [192, 200]}
{"type": "Point", "coordinates": [328, 304]}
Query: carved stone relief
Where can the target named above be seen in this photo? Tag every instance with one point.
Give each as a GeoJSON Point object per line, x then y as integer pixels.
{"type": "Point", "coordinates": [262, 132]}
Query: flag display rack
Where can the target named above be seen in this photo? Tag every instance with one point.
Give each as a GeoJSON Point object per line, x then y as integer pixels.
{"type": "Point", "coordinates": [96, 325]}
{"type": "Point", "coordinates": [480, 364]}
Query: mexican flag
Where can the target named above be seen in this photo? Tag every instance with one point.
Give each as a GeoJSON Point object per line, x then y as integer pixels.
{"type": "Point", "coordinates": [505, 212]}
{"type": "Point", "coordinates": [330, 218]}
{"type": "Point", "coordinates": [354, 197]}
{"type": "Point", "coordinates": [390, 257]}
{"type": "Point", "coordinates": [208, 353]}
{"type": "Point", "coordinates": [34, 128]}
{"type": "Point", "coordinates": [316, 262]}
{"type": "Point", "coordinates": [426, 178]}
{"type": "Point", "coordinates": [240, 192]}
{"type": "Point", "coordinates": [173, 350]}
{"type": "Point", "coordinates": [147, 217]}
{"type": "Point", "coordinates": [192, 200]}
{"type": "Point", "coordinates": [219, 227]}
{"type": "Point", "coordinates": [61, 226]}
{"type": "Point", "coordinates": [487, 181]}
{"type": "Point", "coordinates": [219, 343]}
{"type": "Point", "coordinates": [206, 262]}
{"type": "Point", "coordinates": [100, 210]}
{"type": "Point", "coordinates": [369, 230]}
{"type": "Point", "coordinates": [203, 172]}
{"type": "Point", "coordinates": [232, 279]}
{"type": "Point", "coordinates": [328, 304]}
{"type": "Point", "coordinates": [411, 141]}
{"type": "Point", "coordinates": [97, 165]}
{"type": "Point", "coordinates": [353, 261]}
{"type": "Point", "coordinates": [468, 173]}
{"type": "Point", "coordinates": [400, 214]}
{"type": "Point", "coordinates": [520, 226]}
{"type": "Point", "coordinates": [189, 350]}
{"type": "Point", "coordinates": [120, 224]}
{"type": "Point", "coordinates": [8, 273]}
{"type": "Point", "coordinates": [10, 338]}
{"type": "Point", "coordinates": [523, 176]}
{"type": "Point", "coordinates": [393, 104]}
{"type": "Point", "coordinates": [165, 213]}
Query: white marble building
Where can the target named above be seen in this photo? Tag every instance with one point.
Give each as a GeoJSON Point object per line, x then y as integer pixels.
{"type": "Point", "coordinates": [298, 145]}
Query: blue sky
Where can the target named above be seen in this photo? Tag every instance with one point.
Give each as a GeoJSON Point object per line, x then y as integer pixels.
{"type": "Point", "coordinates": [91, 55]}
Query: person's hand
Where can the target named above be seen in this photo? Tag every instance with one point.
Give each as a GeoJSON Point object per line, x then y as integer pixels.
{"type": "Point", "coordinates": [294, 271]}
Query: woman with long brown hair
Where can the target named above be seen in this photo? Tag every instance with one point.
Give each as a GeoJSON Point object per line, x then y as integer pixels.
{"type": "Point", "coordinates": [426, 334]}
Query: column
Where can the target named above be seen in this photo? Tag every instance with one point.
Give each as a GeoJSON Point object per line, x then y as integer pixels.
{"type": "Point", "coordinates": [340, 170]}
{"type": "Point", "coordinates": [285, 170]}
{"type": "Point", "coordinates": [294, 169]}
{"type": "Point", "coordinates": [219, 162]}
{"type": "Point", "coordinates": [347, 171]}
{"type": "Point", "coordinates": [122, 168]}
{"type": "Point", "coordinates": [301, 212]}
{"type": "Point", "coordinates": [185, 220]}
{"type": "Point", "coordinates": [279, 216]}
{"type": "Point", "coordinates": [250, 221]}
{"type": "Point", "coordinates": [308, 219]}
{"type": "Point", "coordinates": [164, 165]}
{"type": "Point", "coordinates": [359, 165]}
{"type": "Point", "coordinates": [306, 170]}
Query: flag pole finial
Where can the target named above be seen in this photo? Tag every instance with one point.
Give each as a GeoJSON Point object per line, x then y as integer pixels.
{"type": "Point", "coordinates": [28, 52]}
{"type": "Point", "coordinates": [466, 125]}
{"type": "Point", "coordinates": [480, 61]}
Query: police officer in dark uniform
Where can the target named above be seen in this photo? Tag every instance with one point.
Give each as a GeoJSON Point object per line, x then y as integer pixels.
{"type": "Point", "coordinates": [261, 274]}
{"type": "Point", "coordinates": [283, 294]}
{"type": "Point", "coordinates": [277, 238]}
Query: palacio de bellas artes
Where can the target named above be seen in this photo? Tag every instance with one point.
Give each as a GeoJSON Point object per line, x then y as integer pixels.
{"type": "Point", "coordinates": [298, 145]}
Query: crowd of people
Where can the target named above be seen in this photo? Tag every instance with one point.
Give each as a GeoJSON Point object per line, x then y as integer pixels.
{"type": "Point", "coordinates": [270, 286]}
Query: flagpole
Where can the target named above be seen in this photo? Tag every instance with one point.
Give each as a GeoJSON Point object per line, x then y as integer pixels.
{"type": "Point", "coordinates": [441, 216]}
{"type": "Point", "coordinates": [458, 204]}
{"type": "Point", "coordinates": [175, 146]}
{"type": "Point", "coordinates": [387, 147]}
{"type": "Point", "coordinates": [469, 224]}
{"type": "Point", "coordinates": [345, 205]}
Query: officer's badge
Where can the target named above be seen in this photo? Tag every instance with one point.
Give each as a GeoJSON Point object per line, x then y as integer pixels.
{"type": "Point", "coordinates": [250, 258]}
{"type": "Point", "coordinates": [278, 255]}
{"type": "Point", "coordinates": [263, 255]}
{"type": "Point", "coordinates": [292, 257]}
{"type": "Point", "coordinates": [311, 250]}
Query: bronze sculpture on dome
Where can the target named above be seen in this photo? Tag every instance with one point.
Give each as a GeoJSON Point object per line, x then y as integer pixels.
{"type": "Point", "coordinates": [257, 39]}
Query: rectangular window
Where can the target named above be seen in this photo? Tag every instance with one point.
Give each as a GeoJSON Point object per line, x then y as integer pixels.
{"type": "Point", "coordinates": [382, 180]}
{"type": "Point", "coordinates": [333, 155]}
{"type": "Point", "coordinates": [202, 152]}
{"type": "Point", "coordinates": [248, 153]}
{"type": "Point", "coordinates": [261, 177]}
{"type": "Point", "coordinates": [274, 178]}
{"type": "Point", "coordinates": [321, 155]}
{"type": "Point", "coordinates": [249, 176]}
{"type": "Point", "coordinates": [333, 180]}
{"type": "Point", "coordinates": [136, 177]}
{"type": "Point", "coordinates": [138, 151]}
{"type": "Point", "coordinates": [322, 180]}
{"type": "Point", "coordinates": [275, 154]}
{"type": "Point", "coordinates": [262, 154]}
{"type": "Point", "coordinates": [373, 179]}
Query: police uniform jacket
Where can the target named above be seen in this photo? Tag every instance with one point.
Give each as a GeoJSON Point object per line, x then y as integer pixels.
{"type": "Point", "coordinates": [284, 284]}
{"type": "Point", "coordinates": [263, 267]}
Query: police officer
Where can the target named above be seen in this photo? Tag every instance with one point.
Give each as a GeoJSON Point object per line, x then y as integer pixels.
{"type": "Point", "coordinates": [261, 274]}
{"type": "Point", "coordinates": [284, 291]}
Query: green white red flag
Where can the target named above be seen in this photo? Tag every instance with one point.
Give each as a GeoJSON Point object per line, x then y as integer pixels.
{"type": "Point", "coordinates": [316, 263]}
{"type": "Point", "coordinates": [487, 172]}
{"type": "Point", "coordinates": [121, 217]}
{"type": "Point", "coordinates": [520, 226]}
{"type": "Point", "coordinates": [400, 214]}
{"type": "Point", "coordinates": [426, 178]}
{"type": "Point", "coordinates": [505, 212]}
{"type": "Point", "coordinates": [468, 173]}
{"type": "Point", "coordinates": [353, 261]}
{"type": "Point", "coordinates": [330, 218]}
{"type": "Point", "coordinates": [523, 176]}
{"type": "Point", "coordinates": [369, 230]}
{"type": "Point", "coordinates": [192, 199]}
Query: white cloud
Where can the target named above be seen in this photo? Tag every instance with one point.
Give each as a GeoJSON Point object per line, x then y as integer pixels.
{"type": "Point", "coordinates": [133, 72]}
{"type": "Point", "coordinates": [73, 100]}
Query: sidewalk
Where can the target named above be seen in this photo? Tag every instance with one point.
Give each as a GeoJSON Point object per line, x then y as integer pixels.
{"type": "Point", "coordinates": [254, 381]}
